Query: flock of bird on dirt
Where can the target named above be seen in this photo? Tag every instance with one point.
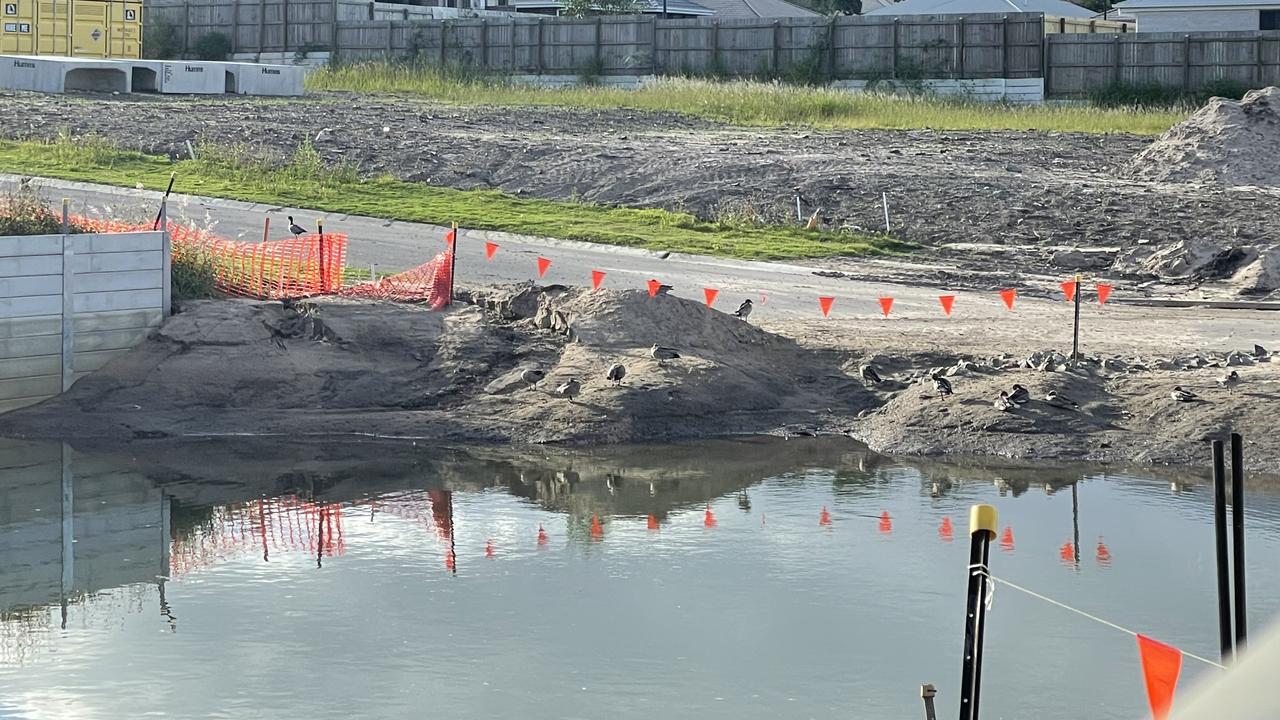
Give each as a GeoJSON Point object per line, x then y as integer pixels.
{"type": "Point", "coordinates": [1006, 401]}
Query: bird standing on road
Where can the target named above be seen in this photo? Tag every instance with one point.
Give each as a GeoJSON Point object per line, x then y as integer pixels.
{"type": "Point", "coordinates": [1020, 395]}
{"type": "Point", "coordinates": [660, 353]}
{"type": "Point", "coordinates": [869, 375]}
{"type": "Point", "coordinates": [295, 228]}
{"type": "Point", "coordinates": [1181, 394]}
{"type": "Point", "coordinates": [532, 377]}
{"type": "Point", "coordinates": [1230, 380]}
{"type": "Point", "coordinates": [663, 290]}
{"type": "Point", "coordinates": [1003, 403]}
{"type": "Point", "coordinates": [616, 373]}
{"type": "Point", "coordinates": [570, 389]}
{"type": "Point", "coordinates": [744, 310]}
{"type": "Point", "coordinates": [942, 386]}
{"type": "Point", "coordinates": [1057, 399]}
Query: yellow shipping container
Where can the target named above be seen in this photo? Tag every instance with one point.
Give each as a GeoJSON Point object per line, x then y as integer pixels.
{"type": "Point", "coordinates": [72, 28]}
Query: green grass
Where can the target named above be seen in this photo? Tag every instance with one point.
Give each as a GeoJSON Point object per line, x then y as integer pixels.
{"type": "Point", "coordinates": [306, 181]}
{"type": "Point", "coordinates": [751, 103]}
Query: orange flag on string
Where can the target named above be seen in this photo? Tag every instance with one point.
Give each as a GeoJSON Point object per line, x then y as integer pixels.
{"type": "Point", "coordinates": [947, 302]}
{"type": "Point", "coordinates": [710, 294]}
{"type": "Point", "coordinates": [1008, 296]}
{"type": "Point", "coordinates": [1104, 292]}
{"type": "Point", "coordinates": [886, 304]}
{"type": "Point", "coordinates": [543, 265]}
{"type": "Point", "coordinates": [450, 237]}
{"type": "Point", "coordinates": [654, 286]}
{"type": "Point", "coordinates": [825, 303]}
{"type": "Point", "coordinates": [1069, 289]}
{"type": "Point", "coordinates": [597, 277]}
{"type": "Point", "coordinates": [490, 249]}
{"type": "Point", "coordinates": [1161, 665]}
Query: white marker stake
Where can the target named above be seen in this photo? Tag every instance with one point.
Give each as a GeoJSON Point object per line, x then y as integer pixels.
{"type": "Point", "coordinates": [884, 198]}
{"type": "Point", "coordinates": [799, 216]}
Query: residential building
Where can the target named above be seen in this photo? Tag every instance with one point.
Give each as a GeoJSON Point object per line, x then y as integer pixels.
{"type": "Point", "coordinates": [1186, 16]}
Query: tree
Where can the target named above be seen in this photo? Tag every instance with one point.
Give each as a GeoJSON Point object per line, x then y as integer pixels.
{"type": "Point", "coordinates": [586, 8]}
{"type": "Point", "coordinates": [847, 7]}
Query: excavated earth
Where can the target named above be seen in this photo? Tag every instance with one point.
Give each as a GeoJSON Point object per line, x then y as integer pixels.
{"type": "Point", "coordinates": [989, 208]}
{"type": "Point", "coordinates": [341, 370]}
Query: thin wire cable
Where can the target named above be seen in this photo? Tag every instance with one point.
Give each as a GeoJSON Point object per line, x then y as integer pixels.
{"type": "Point", "coordinates": [1078, 611]}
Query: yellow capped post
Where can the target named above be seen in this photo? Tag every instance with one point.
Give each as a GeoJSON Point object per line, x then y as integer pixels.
{"type": "Point", "coordinates": [984, 518]}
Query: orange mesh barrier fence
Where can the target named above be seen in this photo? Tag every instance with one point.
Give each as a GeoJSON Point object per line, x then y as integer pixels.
{"type": "Point", "coordinates": [431, 281]}
{"type": "Point", "coordinates": [260, 527]}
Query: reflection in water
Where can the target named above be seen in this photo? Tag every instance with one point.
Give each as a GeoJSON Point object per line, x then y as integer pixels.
{"type": "Point", "coordinates": [648, 578]}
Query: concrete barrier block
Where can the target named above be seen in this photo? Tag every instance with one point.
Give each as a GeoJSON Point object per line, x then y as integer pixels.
{"type": "Point", "coordinates": [270, 80]}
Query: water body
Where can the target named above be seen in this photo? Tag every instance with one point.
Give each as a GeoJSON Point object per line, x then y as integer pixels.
{"type": "Point", "coordinates": [246, 579]}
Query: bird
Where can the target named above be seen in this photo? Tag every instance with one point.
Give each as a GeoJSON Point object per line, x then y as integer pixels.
{"type": "Point", "coordinates": [532, 376]}
{"type": "Point", "coordinates": [663, 290]}
{"type": "Point", "coordinates": [1020, 395]}
{"type": "Point", "coordinates": [658, 352]}
{"type": "Point", "coordinates": [295, 228]}
{"type": "Point", "coordinates": [1230, 380]}
{"type": "Point", "coordinates": [942, 386]}
{"type": "Point", "coordinates": [1182, 395]}
{"type": "Point", "coordinates": [1057, 399]}
{"type": "Point", "coordinates": [1003, 403]}
{"type": "Point", "coordinates": [616, 373]}
{"type": "Point", "coordinates": [869, 375]}
{"type": "Point", "coordinates": [570, 389]}
{"type": "Point", "coordinates": [744, 310]}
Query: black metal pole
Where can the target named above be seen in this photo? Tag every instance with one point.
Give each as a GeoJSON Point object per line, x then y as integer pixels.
{"type": "Point", "coordinates": [982, 528]}
{"type": "Point", "coordinates": [1237, 537]}
{"type": "Point", "coordinates": [1075, 520]}
{"type": "Point", "coordinates": [1075, 331]}
{"type": "Point", "coordinates": [453, 264]}
{"type": "Point", "coordinates": [1220, 535]}
{"type": "Point", "coordinates": [156, 224]}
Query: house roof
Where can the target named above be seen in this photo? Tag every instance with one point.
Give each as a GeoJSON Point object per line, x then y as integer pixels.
{"type": "Point", "coordinates": [1056, 8]}
{"type": "Point", "coordinates": [675, 7]}
{"type": "Point", "coordinates": [756, 9]}
{"type": "Point", "coordinates": [1182, 4]}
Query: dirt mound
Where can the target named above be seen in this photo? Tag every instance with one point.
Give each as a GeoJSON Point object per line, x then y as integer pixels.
{"type": "Point", "coordinates": [1226, 142]}
{"type": "Point", "coordinates": [336, 367]}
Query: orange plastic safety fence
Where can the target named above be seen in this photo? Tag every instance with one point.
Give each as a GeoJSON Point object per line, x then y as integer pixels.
{"type": "Point", "coordinates": [265, 526]}
{"type": "Point", "coordinates": [431, 281]}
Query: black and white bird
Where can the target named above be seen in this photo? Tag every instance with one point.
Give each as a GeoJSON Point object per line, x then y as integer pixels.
{"type": "Point", "coordinates": [570, 389]}
{"type": "Point", "coordinates": [616, 372]}
{"type": "Point", "coordinates": [1020, 395]}
{"type": "Point", "coordinates": [1057, 399]}
{"type": "Point", "coordinates": [1003, 403]}
{"type": "Point", "coordinates": [942, 386]}
{"type": "Point", "coordinates": [295, 228]}
{"type": "Point", "coordinates": [744, 310]}
{"type": "Point", "coordinates": [1230, 380]}
{"type": "Point", "coordinates": [663, 290]}
{"type": "Point", "coordinates": [658, 352]}
{"type": "Point", "coordinates": [1181, 394]}
{"type": "Point", "coordinates": [869, 375]}
{"type": "Point", "coordinates": [532, 377]}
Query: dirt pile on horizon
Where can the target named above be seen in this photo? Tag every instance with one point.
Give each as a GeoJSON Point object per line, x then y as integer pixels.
{"type": "Point", "coordinates": [340, 368]}
{"type": "Point", "coordinates": [1226, 142]}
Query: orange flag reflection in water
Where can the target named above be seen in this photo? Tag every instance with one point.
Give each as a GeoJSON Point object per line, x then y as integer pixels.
{"type": "Point", "coordinates": [597, 530]}
{"type": "Point", "coordinates": [1161, 665]}
{"type": "Point", "coordinates": [488, 548]}
{"type": "Point", "coordinates": [653, 521]}
{"type": "Point", "coordinates": [886, 523]}
{"type": "Point", "coordinates": [945, 531]}
{"type": "Point", "coordinates": [542, 536]}
{"type": "Point", "coordinates": [709, 520]}
{"type": "Point", "coordinates": [824, 518]}
{"type": "Point", "coordinates": [1006, 540]}
{"type": "Point", "coordinates": [1067, 553]}
{"type": "Point", "coordinates": [1104, 554]}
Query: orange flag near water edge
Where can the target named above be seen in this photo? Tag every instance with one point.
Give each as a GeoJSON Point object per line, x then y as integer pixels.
{"type": "Point", "coordinates": [597, 277]}
{"type": "Point", "coordinates": [1008, 296]}
{"type": "Point", "coordinates": [947, 302]}
{"type": "Point", "coordinates": [1104, 292]}
{"type": "Point", "coordinates": [490, 249]}
{"type": "Point", "coordinates": [654, 285]}
{"type": "Point", "coordinates": [710, 294]}
{"type": "Point", "coordinates": [1161, 665]}
{"type": "Point", "coordinates": [1068, 289]}
{"type": "Point", "coordinates": [825, 303]}
{"type": "Point", "coordinates": [886, 304]}
{"type": "Point", "coordinates": [543, 264]}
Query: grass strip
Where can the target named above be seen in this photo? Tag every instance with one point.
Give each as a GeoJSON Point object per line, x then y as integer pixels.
{"type": "Point", "coordinates": [305, 181]}
{"type": "Point", "coordinates": [745, 102]}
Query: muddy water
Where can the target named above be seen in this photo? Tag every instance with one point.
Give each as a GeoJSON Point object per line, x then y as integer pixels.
{"type": "Point", "coordinates": [241, 580]}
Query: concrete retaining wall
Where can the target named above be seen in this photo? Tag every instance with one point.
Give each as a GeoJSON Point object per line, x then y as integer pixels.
{"type": "Point", "coordinates": [71, 303]}
{"type": "Point", "coordinates": [173, 77]}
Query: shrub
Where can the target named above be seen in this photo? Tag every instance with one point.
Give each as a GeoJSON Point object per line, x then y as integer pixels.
{"type": "Point", "coordinates": [1127, 94]}
{"type": "Point", "coordinates": [214, 46]}
{"type": "Point", "coordinates": [23, 212]}
{"type": "Point", "coordinates": [161, 40]}
{"type": "Point", "coordinates": [192, 275]}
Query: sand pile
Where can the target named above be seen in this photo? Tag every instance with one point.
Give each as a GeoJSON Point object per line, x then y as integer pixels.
{"type": "Point", "coordinates": [1226, 142]}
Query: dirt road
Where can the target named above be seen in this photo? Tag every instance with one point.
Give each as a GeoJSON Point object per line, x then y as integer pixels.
{"type": "Point", "coordinates": [996, 207]}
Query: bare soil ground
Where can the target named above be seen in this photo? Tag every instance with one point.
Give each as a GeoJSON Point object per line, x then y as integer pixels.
{"type": "Point", "coordinates": [992, 207]}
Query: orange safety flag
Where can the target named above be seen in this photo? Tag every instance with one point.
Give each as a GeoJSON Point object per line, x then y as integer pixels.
{"type": "Point", "coordinates": [710, 294]}
{"type": "Point", "coordinates": [1069, 289]}
{"type": "Point", "coordinates": [947, 302]}
{"type": "Point", "coordinates": [543, 264]}
{"type": "Point", "coordinates": [824, 518]}
{"type": "Point", "coordinates": [1161, 665]}
{"type": "Point", "coordinates": [653, 521]}
{"type": "Point", "coordinates": [597, 277]}
{"type": "Point", "coordinates": [1008, 296]}
{"type": "Point", "coordinates": [451, 237]}
{"type": "Point", "coordinates": [1104, 292]}
{"type": "Point", "coordinates": [490, 249]}
{"type": "Point", "coordinates": [825, 303]}
{"type": "Point", "coordinates": [886, 304]}
{"type": "Point", "coordinates": [654, 286]}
